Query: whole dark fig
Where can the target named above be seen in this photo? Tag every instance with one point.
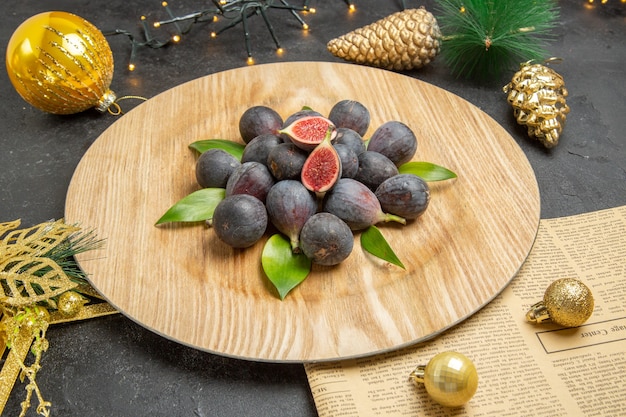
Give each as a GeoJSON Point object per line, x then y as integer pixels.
{"type": "Point", "coordinates": [395, 140]}
{"type": "Point", "coordinates": [356, 205]}
{"type": "Point", "coordinates": [214, 167]}
{"type": "Point", "coordinates": [350, 114]}
{"type": "Point", "coordinates": [326, 239]}
{"type": "Point", "coordinates": [405, 195]}
{"type": "Point", "coordinates": [285, 161]}
{"type": "Point", "coordinates": [252, 178]}
{"type": "Point", "coordinates": [350, 138]}
{"type": "Point", "coordinates": [240, 220]}
{"type": "Point", "coordinates": [259, 120]}
{"type": "Point", "coordinates": [374, 168]}
{"type": "Point", "coordinates": [289, 205]}
{"type": "Point", "coordinates": [349, 160]}
{"type": "Point", "coordinates": [259, 148]}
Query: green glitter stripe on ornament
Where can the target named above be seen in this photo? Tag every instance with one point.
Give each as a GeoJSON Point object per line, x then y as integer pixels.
{"type": "Point", "coordinates": [484, 38]}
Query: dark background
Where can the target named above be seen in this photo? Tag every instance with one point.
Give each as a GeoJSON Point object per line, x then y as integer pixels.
{"type": "Point", "coordinates": [113, 367]}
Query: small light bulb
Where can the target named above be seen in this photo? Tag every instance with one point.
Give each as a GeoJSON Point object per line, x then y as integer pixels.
{"type": "Point", "coordinates": [352, 8]}
{"type": "Point", "coordinates": [305, 26]}
{"type": "Point", "coordinates": [280, 51]}
{"type": "Point", "coordinates": [213, 34]}
{"type": "Point", "coordinates": [215, 19]}
{"type": "Point", "coordinates": [157, 25]}
{"type": "Point", "coordinates": [176, 38]}
{"type": "Point", "coordinates": [164, 4]}
{"type": "Point", "coordinates": [250, 61]}
{"type": "Point", "coordinates": [131, 67]}
{"type": "Point", "coordinates": [462, 9]}
{"type": "Point", "coordinates": [312, 10]}
{"type": "Point", "coordinates": [143, 18]}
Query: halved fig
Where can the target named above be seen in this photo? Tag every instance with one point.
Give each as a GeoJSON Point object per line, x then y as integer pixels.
{"type": "Point", "coordinates": [309, 131]}
{"type": "Point", "coordinates": [322, 167]}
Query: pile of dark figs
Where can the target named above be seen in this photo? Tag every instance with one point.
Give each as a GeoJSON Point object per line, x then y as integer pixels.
{"type": "Point", "coordinates": [314, 178]}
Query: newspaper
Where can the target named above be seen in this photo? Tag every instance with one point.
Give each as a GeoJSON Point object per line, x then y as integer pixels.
{"type": "Point", "coordinates": [524, 369]}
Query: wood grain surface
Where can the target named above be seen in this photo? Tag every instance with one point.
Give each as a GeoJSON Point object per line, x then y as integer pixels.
{"type": "Point", "coordinates": [180, 281]}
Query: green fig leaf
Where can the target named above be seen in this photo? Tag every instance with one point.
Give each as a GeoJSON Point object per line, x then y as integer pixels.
{"type": "Point", "coordinates": [284, 268]}
{"type": "Point", "coordinates": [233, 148]}
{"type": "Point", "coordinates": [373, 241]}
{"type": "Point", "coordinates": [427, 171]}
{"type": "Point", "coordinates": [197, 206]}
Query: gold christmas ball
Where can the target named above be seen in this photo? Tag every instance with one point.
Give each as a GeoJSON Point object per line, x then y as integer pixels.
{"type": "Point", "coordinates": [35, 317]}
{"type": "Point", "coordinates": [450, 378]}
{"type": "Point", "coordinates": [70, 303]}
{"type": "Point", "coordinates": [61, 64]}
{"type": "Point", "coordinates": [569, 302]}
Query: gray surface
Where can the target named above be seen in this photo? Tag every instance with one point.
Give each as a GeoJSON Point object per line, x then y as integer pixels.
{"type": "Point", "coordinates": [113, 367]}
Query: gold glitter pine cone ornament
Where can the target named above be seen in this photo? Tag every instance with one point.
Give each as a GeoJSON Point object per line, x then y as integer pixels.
{"type": "Point", "coordinates": [405, 40]}
{"type": "Point", "coordinates": [537, 94]}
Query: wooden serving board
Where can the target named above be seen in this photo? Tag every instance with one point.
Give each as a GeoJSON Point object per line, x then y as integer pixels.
{"type": "Point", "coordinates": [180, 281]}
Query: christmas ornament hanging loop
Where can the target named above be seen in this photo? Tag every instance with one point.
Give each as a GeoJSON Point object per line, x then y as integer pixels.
{"type": "Point", "coordinates": [116, 110]}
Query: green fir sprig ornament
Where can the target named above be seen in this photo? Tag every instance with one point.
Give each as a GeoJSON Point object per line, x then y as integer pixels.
{"type": "Point", "coordinates": [484, 38]}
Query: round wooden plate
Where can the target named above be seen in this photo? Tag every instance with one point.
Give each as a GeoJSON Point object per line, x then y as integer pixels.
{"type": "Point", "coordinates": [180, 281]}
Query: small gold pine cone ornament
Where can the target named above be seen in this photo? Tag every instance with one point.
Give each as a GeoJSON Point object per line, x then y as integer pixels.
{"type": "Point", "coordinates": [405, 40]}
{"type": "Point", "coordinates": [537, 94]}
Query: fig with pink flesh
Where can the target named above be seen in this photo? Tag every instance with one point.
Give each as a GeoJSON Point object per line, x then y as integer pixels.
{"type": "Point", "coordinates": [322, 168]}
{"type": "Point", "coordinates": [309, 131]}
{"type": "Point", "coordinates": [356, 205]}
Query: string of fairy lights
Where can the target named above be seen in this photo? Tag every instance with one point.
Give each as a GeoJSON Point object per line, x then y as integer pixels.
{"type": "Point", "coordinates": [233, 12]}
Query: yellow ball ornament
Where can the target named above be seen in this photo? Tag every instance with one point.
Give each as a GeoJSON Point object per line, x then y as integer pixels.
{"type": "Point", "coordinates": [70, 303]}
{"type": "Point", "coordinates": [450, 378]}
{"type": "Point", "coordinates": [61, 64]}
{"type": "Point", "coordinates": [567, 302]}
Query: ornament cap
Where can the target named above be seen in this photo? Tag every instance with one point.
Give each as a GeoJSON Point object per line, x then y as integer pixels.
{"type": "Point", "coordinates": [418, 374]}
{"type": "Point", "coordinates": [538, 313]}
{"type": "Point", "coordinates": [105, 101]}
{"type": "Point", "coordinates": [567, 302]}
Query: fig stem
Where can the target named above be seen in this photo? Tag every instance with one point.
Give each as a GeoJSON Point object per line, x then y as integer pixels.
{"type": "Point", "coordinates": [393, 218]}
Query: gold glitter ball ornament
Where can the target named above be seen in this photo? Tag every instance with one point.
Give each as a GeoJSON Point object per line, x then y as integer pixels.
{"type": "Point", "coordinates": [537, 94]}
{"type": "Point", "coordinates": [61, 64]}
{"type": "Point", "coordinates": [450, 378]}
{"type": "Point", "coordinates": [70, 303]}
{"type": "Point", "coordinates": [404, 40]}
{"type": "Point", "coordinates": [567, 302]}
